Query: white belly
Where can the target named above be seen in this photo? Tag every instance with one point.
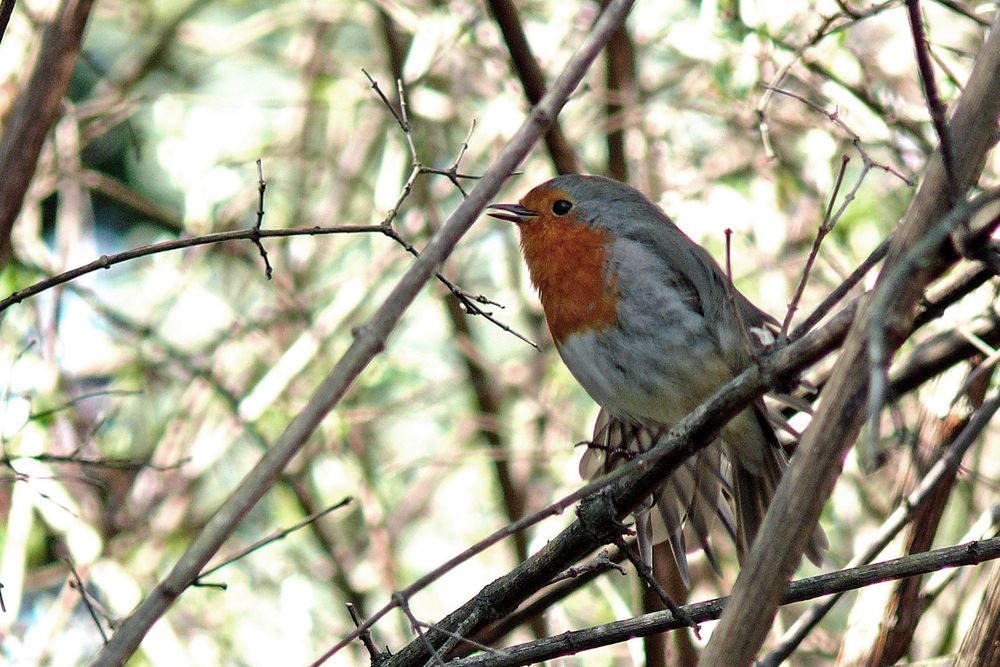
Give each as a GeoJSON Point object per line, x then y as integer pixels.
{"type": "Point", "coordinates": [647, 381]}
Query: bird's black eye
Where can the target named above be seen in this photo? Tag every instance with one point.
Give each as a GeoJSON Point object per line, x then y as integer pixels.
{"type": "Point", "coordinates": [561, 206]}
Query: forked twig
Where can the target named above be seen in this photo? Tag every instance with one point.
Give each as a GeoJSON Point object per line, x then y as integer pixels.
{"type": "Point", "coordinates": [365, 636]}
{"type": "Point", "coordinates": [400, 601]}
{"type": "Point", "coordinates": [469, 302]}
{"type": "Point", "coordinates": [839, 292]}
{"type": "Point", "coordinates": [825, 227]}
{"type": "Point", "coordinates": [835, 118]}
{"type": "Point", "coordinates": [600, 564]}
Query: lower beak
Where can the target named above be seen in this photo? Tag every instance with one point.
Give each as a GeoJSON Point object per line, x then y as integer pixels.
{"type": "Point", "coordinates": [511, 212]}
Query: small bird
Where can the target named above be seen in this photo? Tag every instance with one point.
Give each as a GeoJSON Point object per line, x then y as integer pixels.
{"type": "Point", "coordinates": [645, 320]}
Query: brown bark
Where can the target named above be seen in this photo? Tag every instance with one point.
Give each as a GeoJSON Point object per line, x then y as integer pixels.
{"type": "Point", "coordinates": [36, 110]}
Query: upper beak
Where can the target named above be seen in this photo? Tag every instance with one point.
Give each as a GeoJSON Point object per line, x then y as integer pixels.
{"type": "Point", "coordinates": [511, 212]}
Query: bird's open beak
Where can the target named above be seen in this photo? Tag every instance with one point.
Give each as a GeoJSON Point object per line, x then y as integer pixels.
{"type": "Point", "coordinates": [511, 212]}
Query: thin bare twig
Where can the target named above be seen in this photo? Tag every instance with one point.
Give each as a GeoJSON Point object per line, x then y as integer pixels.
{"type": "Point", "coordinates": [107, 261]}
{"type": "Point", "coordinates": [829, 25]}
{"type": "Point", "coordinates": [400, 601]}
{"type": "Point", "coordinates": [763, 126]}
{"type": "Point", "coordinates": [254, 234]}
{"type": "Point", "coordinates": [934, 104]}
{"type": "Point", "coordinates": [825, 227]}
{"type": "Point", "coordinates": [406, 119]}
{"type": "Point", "coordinates": [110, 463]}
{"type": "Point", "coordinates": [385, 101]}
{"type": "Point", "coordinates": [261, 186]}
{"type": "Point", "coordinates": [646, 574]}
{"type": "Point", "coordinates": [85, 597]}
{"type": "Point", "coordinates": [866, 159]}
{"type": "Point", "coordinates": [374, 653]}
{"type": "Point", "coordinates": [985, 525]}
{"type": "Point", "coordinates": [834, 297]}
{"type": "Point", "coordinates": [452, 172]}
{"type": "Point", "coordinates": [273, 537]}
{"type": "Point", "coordinates": [469, 302]}
{"type": "Point", "coordinates": [960, 9]}
{"type": "Point", "coordinates": [600, 564]}
{"type": "Point", "coordinates": [48, 412]}
{"type": "Point", "coordinates": [457, 639]}
{"type": "Point", "coordinates": [867, 164]}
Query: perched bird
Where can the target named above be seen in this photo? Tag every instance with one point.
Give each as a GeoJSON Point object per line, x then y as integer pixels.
{"type": "Point", "coordinates": [642, 318]}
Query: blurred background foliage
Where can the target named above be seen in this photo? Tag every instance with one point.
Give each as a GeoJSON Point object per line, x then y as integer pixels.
{"type": "Point", "coordinates": [186, 365]}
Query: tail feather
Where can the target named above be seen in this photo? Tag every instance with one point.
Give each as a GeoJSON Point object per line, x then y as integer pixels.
{"type": "Point", "coordinates": [673, 526]}
{"type": "Point", "coordinates": [690, 500]}
{"type": "Point", "coordinates": [704, 489]}
{"type": "Point", "coordinates": [753, 493]}
{"type": "Point", "coordinates": [694, 497]}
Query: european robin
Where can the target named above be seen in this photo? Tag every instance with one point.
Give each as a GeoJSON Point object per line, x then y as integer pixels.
{"type": "Point", "coordinates": [642, 318]}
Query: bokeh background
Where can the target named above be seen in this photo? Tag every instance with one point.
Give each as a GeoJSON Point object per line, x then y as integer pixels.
{"type": "Point", "coordinates": [133, 400]}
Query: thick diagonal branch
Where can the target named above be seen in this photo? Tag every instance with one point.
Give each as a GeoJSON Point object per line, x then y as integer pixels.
{"type": "Point", "coordinates": [817, 465]}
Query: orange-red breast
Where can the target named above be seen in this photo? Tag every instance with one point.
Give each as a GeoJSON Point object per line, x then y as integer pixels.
{"type": "Point", "coordinates": [640, 315]}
